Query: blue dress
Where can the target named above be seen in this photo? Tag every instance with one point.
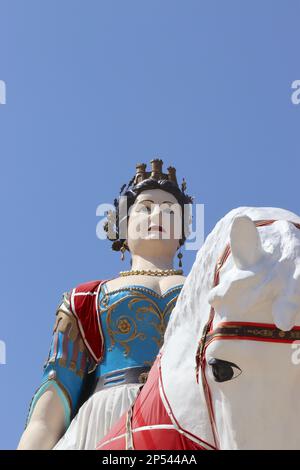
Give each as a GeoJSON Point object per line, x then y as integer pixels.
{"type": "Point", "coordinates": [133, 319]}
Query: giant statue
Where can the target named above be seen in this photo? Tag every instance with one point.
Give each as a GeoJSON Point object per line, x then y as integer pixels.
{"type": "Point", "coordinates": [108, 332]}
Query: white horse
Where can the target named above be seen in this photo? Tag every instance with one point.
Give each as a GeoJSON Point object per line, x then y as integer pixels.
{"type": "Point", "coordinates": [229, 376]}
{"type": "Point", "coordinates": [249, 371]}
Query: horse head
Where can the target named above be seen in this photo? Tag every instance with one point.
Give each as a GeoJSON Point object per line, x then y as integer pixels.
{"type": "Point", "coordinates": [229, 362]}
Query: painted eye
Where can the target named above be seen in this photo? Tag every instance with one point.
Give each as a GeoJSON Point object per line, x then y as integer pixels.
{"type": "Point", "coordinates": [167, 210]}
{"type": "Point", "coordinates": [143, 209]}
{"type": "Point", "coordinates": [223, 370]}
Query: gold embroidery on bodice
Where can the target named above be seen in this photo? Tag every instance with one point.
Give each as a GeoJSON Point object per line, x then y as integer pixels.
{"type": "Point", "coordinates": [127, 327]}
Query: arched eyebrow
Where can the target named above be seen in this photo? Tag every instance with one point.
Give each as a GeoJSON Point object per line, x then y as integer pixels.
{"type": "Point", "coordinates": [149, 200]}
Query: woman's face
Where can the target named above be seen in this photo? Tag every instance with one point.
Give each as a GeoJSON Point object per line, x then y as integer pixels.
{"type": "Point", "coordinates": [155, 223]}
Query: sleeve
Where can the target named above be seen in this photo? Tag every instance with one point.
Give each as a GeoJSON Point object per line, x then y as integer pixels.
{"type": "Point", "coordinates": [68, 363]}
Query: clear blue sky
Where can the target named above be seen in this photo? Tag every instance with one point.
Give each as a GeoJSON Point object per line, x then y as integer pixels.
{"type": "Point", "coordinates": [95, 86]}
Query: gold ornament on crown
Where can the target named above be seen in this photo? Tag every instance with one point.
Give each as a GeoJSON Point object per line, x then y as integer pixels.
{"type": "Point", "coordinates": [156, 173]}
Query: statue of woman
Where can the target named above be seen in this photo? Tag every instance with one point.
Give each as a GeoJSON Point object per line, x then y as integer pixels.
{"type": "Point", "coordinates": [108, 333]}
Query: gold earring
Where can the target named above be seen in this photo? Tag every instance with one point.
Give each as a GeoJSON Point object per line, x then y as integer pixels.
{"type": "Point", "coordinates": [123, 249]}
{"type": "Point", "coordinates": [180, 256]}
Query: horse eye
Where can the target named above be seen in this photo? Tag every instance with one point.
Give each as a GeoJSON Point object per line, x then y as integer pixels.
{"type": "Point", "coordinates": [224, 370]}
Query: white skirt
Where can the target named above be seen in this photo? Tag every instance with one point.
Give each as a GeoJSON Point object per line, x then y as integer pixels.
{"type": "Point", "coordinates": [97, 416]}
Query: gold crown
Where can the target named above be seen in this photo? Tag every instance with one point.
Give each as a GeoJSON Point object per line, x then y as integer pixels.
{"type": "Point", "coordinates": [156, 173]}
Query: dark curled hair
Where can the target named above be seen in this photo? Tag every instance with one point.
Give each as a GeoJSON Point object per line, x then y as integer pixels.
{"type": "Point", "coordinates": [133, 192]}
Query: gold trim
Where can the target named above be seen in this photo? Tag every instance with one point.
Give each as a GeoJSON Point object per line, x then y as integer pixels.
{"type": "Point", "coordinates": [66, 323]}
{"type": "Point", "coordinates": [62, 362]}
{"type": "Point", "coordinates": [107, 293]}
{"type": "Point", "coordinates": [132, 330]}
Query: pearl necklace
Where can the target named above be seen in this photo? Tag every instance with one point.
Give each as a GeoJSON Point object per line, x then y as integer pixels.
{"type": "Point", "coordinates": [149, 272]}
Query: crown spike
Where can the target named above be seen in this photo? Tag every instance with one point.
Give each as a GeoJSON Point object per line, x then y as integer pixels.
{"type": "Point", "coordinates": [140, 174]}
{"type": "Point", "coordinates": [156, 172]}
{"type": "Point", "coordinates": [172, 174]}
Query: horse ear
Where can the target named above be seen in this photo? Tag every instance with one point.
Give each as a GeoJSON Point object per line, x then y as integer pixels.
{"type": "Point", "coordinates": [245, 242]}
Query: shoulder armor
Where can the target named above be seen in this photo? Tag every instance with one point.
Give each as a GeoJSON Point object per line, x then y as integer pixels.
{"type": "Point", "coordinates": [83, 304]}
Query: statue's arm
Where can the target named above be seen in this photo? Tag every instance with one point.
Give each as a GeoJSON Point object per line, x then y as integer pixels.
{"type": "Point", "coordinates": [56, 400]}
{"type": "Point", "coordinates": [46, 424]}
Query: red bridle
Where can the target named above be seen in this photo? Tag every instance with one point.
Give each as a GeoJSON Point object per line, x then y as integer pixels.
{"type": "Point", "coordinates": [235, 331]}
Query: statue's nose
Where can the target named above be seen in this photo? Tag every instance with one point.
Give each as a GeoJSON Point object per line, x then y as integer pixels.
{"type": "Point", "coordinates": [156, 216]}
